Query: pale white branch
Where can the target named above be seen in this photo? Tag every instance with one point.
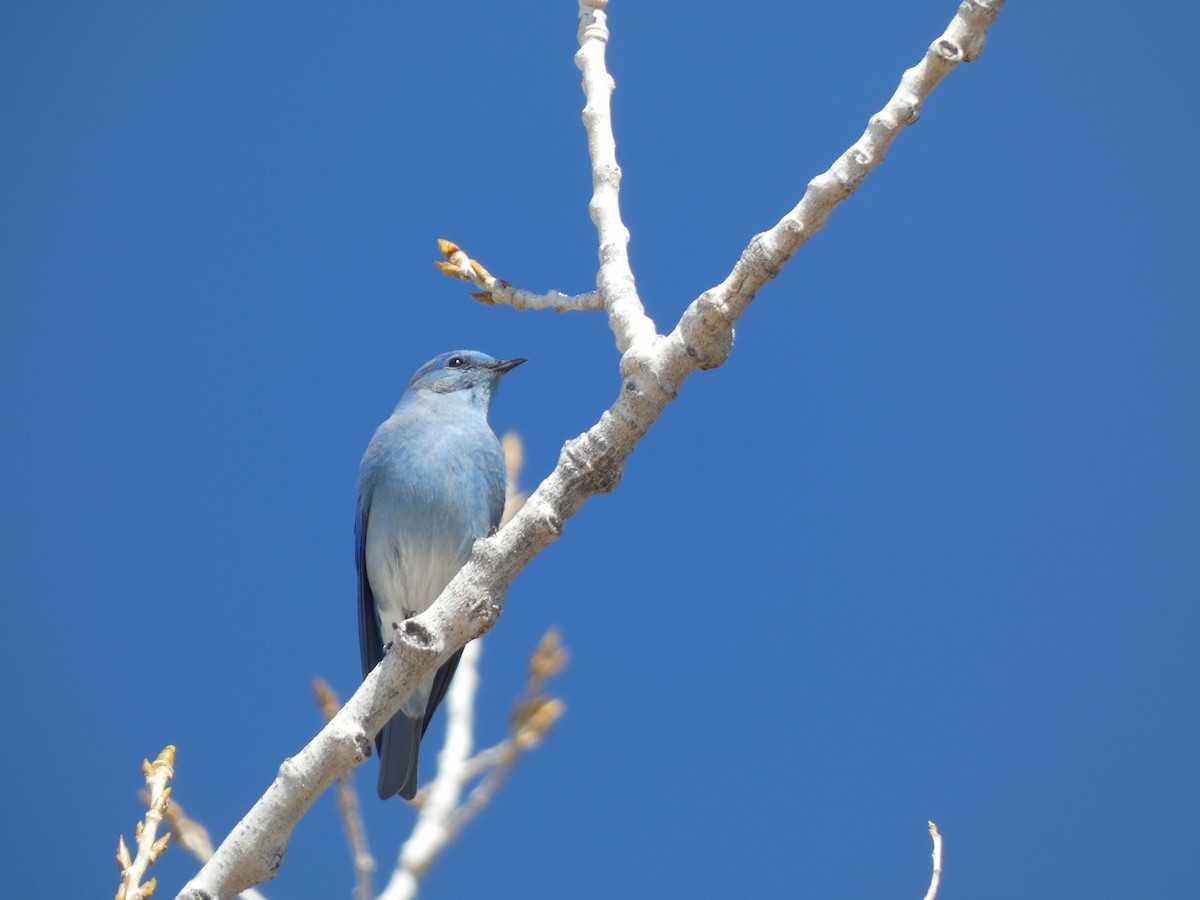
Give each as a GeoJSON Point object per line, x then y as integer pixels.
{"type": "Point", "coordinates": [505, 758]}
{"type": "Point", "coordinates": [440, 798]}
{"type": "Point", "coordinates": [255, 848]}
{"type": "Point", "coordinates": [559, 302]}
{"type": "Point", "coordinates": [936, 879]}
{"type": "Point", "coordinates": [706, 327]}
{"type": "Point", "coordinates": [626, 315]}
{"type": "Point", "coordinates": [484, 760]}
{"type": "Point", "coordinates": [191, 835]}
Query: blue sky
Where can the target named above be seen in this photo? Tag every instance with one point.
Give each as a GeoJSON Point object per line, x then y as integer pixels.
{"type": "Point", "coordinates": [925, 547]}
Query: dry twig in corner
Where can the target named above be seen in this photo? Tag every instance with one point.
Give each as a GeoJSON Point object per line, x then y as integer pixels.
{"type": "Point", "coordinates": [149, 849]}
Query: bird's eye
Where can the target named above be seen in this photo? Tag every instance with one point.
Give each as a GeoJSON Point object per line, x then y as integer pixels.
{"type": "Point", "coordinates": [454, 362]}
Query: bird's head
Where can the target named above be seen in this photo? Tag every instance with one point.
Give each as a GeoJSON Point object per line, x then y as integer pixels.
{"type": "Point", "coordinates": [463, 370]}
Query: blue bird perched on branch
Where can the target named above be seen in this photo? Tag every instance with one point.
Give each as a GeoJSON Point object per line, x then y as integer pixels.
{"type": "Point", "coordinates": [431, 482]}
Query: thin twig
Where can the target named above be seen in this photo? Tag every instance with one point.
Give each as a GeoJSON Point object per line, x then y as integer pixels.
{"type": "Point", "coordinates": [936, 880]}
{"type": "Point", "coordinates": [158, 775]}
{"type": "Point", "coordinates": [534, 714]}
{"type": "Point", "coordinates": [514, 461]}
{"type": "Point", "coordinates": [484, 760]}
{"type": "Point", "coordinates": [493, 290]}
{"type": "Point", "coordinates": [348, 805]}
{"type": "Point", "coordinates": [190, 835]}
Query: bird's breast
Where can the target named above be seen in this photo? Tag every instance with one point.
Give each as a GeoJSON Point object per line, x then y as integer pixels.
{"type": "Point", "coordinates": [430, 497]}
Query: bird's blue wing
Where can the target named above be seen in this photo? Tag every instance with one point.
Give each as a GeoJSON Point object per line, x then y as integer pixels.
{"type": "Point", "coordinates": [441, 684]}
{"type": "Point", "coordinates": [370, 641]}
{"type": "Point", "coordinates": [397, 743]}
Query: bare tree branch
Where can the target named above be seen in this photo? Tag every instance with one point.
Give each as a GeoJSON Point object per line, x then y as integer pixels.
{"type": "Point", "coordinates": [443, 815]}
{"type": "Point", "coordinates": [495, 290]}
{"type": "Point", "coordinates": [706, 327]}
{"type": "Point", "coordinates": [626, 315]}
{"type": "Point", "coordinates": [439, 799]}
{"type": "Point", "coordinates": [936, 880]}
{"type": "Point", "coordinates": [532, 718]}
{"type": "Point", "coordinates": [653, 368]}
{"type": "Point", "coordinates": [192, 836]}
{"type": "Point", "coordinates": [158, 775]}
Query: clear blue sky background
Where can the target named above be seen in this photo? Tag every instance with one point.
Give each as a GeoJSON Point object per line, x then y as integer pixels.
{"type": "Point", "coordinates": [925, 547]}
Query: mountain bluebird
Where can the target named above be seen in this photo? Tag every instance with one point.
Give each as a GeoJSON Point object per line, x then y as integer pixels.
{"type": "Point", "coordinates": [431, 482]}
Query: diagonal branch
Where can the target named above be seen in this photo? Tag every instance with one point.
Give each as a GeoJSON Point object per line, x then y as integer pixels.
{"type": "Point", "coordinates": [706, 326]}
{"type": "Point", "coordinates": [192, 836]}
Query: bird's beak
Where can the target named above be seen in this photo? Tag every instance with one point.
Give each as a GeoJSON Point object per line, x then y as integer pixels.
{"type": "Point", "coordinates": [507, 365]}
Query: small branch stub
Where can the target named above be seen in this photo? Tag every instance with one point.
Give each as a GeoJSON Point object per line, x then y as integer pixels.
{"type": "Point", "coordinates": [493, 291]}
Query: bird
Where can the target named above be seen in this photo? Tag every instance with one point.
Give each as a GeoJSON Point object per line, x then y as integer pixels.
{"type": "Point", "coordinates": [431, 482]}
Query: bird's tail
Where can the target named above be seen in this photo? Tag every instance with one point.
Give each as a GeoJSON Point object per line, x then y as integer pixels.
{"type": "Point", "coordinates": [398, 745]}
